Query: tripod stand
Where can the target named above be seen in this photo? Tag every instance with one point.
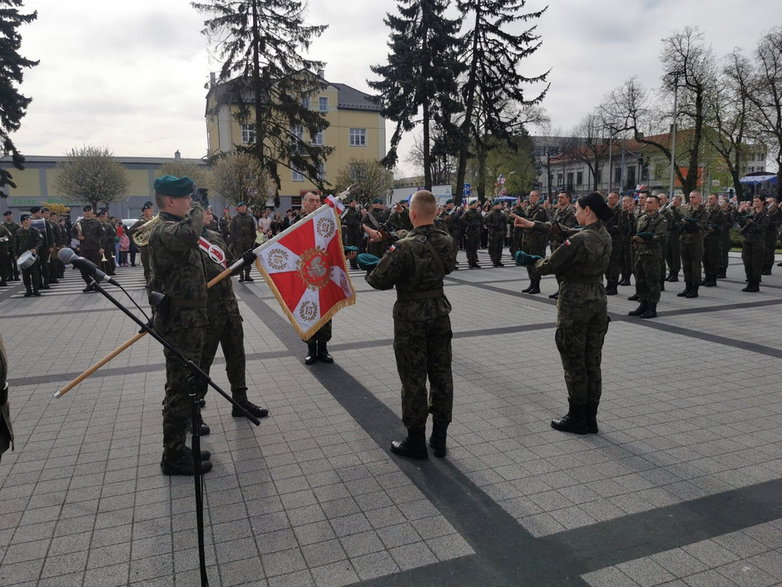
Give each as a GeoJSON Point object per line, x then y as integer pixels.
{"type": "Point", "coordinates": [195, 376]}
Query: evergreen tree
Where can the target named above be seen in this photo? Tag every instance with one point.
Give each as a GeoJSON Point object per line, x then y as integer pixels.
{"type": "Point", "coordinates": [260, 42]}
{"type": "Point", "coordinates": [13, 105]}
{"type": "Point", "coordinates": [493, 92]}
{"type": "Point", "coordinates": [421, 72]}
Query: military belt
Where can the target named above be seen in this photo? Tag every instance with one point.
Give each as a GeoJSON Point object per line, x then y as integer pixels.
{"type": "Point", "coordinates": [188, 303]}
{"type": "Point", "coordinates": [419, 295]}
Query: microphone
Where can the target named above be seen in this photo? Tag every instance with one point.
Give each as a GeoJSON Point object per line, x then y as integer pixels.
{"type": "Point", "coordinates": [86, 266]}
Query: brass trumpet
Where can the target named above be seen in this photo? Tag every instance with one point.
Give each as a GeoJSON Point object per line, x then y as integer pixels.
{"type": "Point", "coordinates": [142, 233]}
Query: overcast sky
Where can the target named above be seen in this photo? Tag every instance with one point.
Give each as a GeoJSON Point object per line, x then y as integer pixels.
{"type": "Point", "coordinates": [130, 76]}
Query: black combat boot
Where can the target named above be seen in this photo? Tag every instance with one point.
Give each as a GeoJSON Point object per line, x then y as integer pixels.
{"type": "Point", "coordinates": [574, 421]}
{"type": "Point", "coordinates": [254, 410]}
{"type": "Point", "coordinates": [312, 353]}
{"type": "Point", "coordinates": [554, 296]}
{"type": "Point", "coordinates": [535, 289]}
{"type": "Point", "coordinates": [693, 293]}
{"type": "Point", "coordinates": [633, 298]}
{"type": "Point", "coordinates": [662, 285]}
{"type": "Point", "coordinates": [3, 282]}
{"type": "Point", "coordinates": [721, 274]}
{"type": "Point", "coordinates": [181, 462]}
{"type": "Point", "coordinates": [323, 353]}
{"type": "Point", "coordinates": [625, 281]}
{"type": "Point", "coordinates": [611, 288]}
{"type": "Point", "coordinates": [674, 277]}
{"type": "Point", "coordinates": [28, 293]}
{"type": "Point", "coordinates": [591, 418]}
{"type": "Point", "coordinates": [752, 287]}
{"type": "Point", "coordinates": [414, 446]}
{"type": "Point", "coordinates": [639, 310]}
{"type": "Point", "coordinates": [437, 439]}
{"type": "Point", "coordinates": [686, 290]}
{"type": "Point", "coordinates": [710, 281]}
{"type": "Point", "coordinates": [650, 311]}
{"type": "Point", "coordinates": [529, 287]}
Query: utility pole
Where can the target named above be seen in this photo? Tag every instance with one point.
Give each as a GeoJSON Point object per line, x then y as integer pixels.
{"type": "Point", "coordinates": [673, 133]}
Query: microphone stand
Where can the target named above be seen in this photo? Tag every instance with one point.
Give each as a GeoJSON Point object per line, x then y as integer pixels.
{"type": "Point", "coordinates": [196, 375]}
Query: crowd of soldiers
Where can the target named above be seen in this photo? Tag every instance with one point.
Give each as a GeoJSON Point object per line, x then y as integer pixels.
{"type": "Point", "coordinates": [654, 240]}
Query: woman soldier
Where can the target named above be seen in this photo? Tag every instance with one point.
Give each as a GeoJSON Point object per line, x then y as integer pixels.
{"type": "Point", "coordinates": [582, 317]}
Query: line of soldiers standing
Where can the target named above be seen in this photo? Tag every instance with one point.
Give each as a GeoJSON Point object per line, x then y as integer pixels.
{"type": "Point", "coordinates": [96, 241]}
{"type": "Point", "coordinates": [41, 233]}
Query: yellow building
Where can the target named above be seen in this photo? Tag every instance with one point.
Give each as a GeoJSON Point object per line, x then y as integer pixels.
{"type": "Point", "coordinates": [356, 130]}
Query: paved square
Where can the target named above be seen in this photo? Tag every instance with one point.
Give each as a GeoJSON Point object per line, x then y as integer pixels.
{"type": "Point", "coordinates": [681, 486]}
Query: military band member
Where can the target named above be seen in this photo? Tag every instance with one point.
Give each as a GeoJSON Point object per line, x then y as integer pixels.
{"type": "Point", "coordinates": [497, 223]}
{"type": "Point", "coordinates": [89, 232]}
{"type": "Point", "coordinates": [648, 241]}
{"type": "Point", "coordinates": [177, 270]}
{"type": "Point", "coordinates": [534, 240]}
{"type": "Point", "coordinates": [716, 226]}
{"type": "Point", "coordinates": [473, 226]}
{"type": "Point", "coordinates": [27, 238]}
{"type": "Point", "coordinates": [242, 231]}
{"type": "Point", "coordinates": [618, 226]}
{"type": "Point", "coordinates": [12, 227]}
{"type": "Point", "coordinates": [6, 254]}
{"type": "Point", "coordinates": [754, 223]}
{"type": "Point", "coordinates": [774, 224]}
{"type": "Point", "coordinates": [147, 213]}
{"type": "Point", "coordinates": [565, 217]}
{"type": "Point", "coordinates": [725, 238]}
{"type": "Point", "coordinates": [692, 224]}
{"type": "Point", "coordinates": [673, 216]}
{"type": "Point", "coordinates": [422, 327]}
{"type": "Point", "coordinates": [400, 217]}
{"type": "Point", "coordinates": [45, 250]}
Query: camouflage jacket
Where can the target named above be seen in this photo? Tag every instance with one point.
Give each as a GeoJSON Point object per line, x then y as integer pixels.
{"type": "Point", "coordinates": [401, 220]}
{"type": "Point", "coordinates": [473, 222]}
{"type": "Point", "coordinates": [580, 263]}
{"type": "Point", "coordinates": [6, 240]}
{"type": "Point", "coordinates": [754, 226]}
{"type": "Point", "coordinates": [220, 298]}
{"type": "Point", "coordinates": [92, 231]}
{"type": "Point", "coordinates": [417, 274]}
{"type": "Point", "coordinates": [242, 231]}
{"type": "Point", "coordinates": [496, 222]}
{"type": "Point", "coordinates": [27, 240]}
{"type": "Point", "coordinates": [658, 227]}
{"type": "Point", "coordinates": [692, 224]}
{"type": "Point", "coordinates": [716, 222]}
{"type": "Point", "coordinates": [566, 218]}
{"type": "Point", "coordinates": [177, 265]}
{"type": "Point", "coordinates": [535, 236]}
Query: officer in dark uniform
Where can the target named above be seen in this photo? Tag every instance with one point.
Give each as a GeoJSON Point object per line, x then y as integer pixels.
{"type": "Point", "coordinates": [177, 270]}
{"type": "Point", "coordinates": [242, 231]}
{"type": "Point", "coordinates": [27, 238]}
{"type": "Point", "coordinates": [422, 328]}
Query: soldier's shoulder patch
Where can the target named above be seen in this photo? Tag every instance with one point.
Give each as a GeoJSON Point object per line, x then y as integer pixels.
{"type": "Point", "coordinates": [392, 248]}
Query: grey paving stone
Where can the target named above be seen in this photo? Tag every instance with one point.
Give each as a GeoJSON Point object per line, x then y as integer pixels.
{"type": "Point", "coordinates": [608, 577]}
{"type": "Point", "coordinates": [645, 572]}
{"type": "Point", "coordinates": [283, 562]}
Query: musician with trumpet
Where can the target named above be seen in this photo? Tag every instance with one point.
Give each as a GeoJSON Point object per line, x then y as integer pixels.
{"type": "Point", "coordinates": [89, 232]}
{"type": "Point", "coordinates": [139, 233]}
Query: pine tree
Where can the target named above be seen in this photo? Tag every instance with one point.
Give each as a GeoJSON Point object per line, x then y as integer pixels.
{"type": "Point", "coordinates": [260, 42]}
{"type": "Point", "coordinates": [13, 105]}
{"type": "Point", "coordinates": [421, 72]}
{"type": "Point", "coordinates": [493, 93]}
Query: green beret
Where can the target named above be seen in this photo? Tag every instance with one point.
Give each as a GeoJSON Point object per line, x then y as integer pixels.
{"type": "Point", "coordinates": [241, 204]}
{"type": "Point", "coordinates": [377, 201]}
{"type": "Point", "coordinates": [366, 261]}
{"type": "Point", "coordinates": [448, 202]}
{"type": "Point", "coordinates": [175, 187]}
{"type": "Point", "coordinates": [147, 205]}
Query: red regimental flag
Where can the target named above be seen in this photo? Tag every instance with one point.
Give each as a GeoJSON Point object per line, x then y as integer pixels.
{"type": "Point", "coordinates": [305, 269]}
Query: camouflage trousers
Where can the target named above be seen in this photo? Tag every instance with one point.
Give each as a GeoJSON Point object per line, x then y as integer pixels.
{"type": "Point", "coordinates": [496, 244]}
{"type": "Point", "coordinates": [711, 256]}
{"type": "Point", "coordinates": [423, 349]}
{"type": "Point", "coordinates": [177, 406]}
{"type": "Point", "coordinates": [614, 268]}
{"type": "Point", "coordinates": [647, 277]}
{"type": "Point", "coordinates": [752, 255]}
{"type": "Point", "coordinates": [580, 345]}
{"type": "Point", "coordinates": [225, 330]}
{"type": "Point", "coordinates": [673, 253]}
{"type": "Point", "coordinates": [692, 257]}
{"type": "Point", "coordinates": [472, 241]}
{"type": "Point", "coordinates": [321, 335]}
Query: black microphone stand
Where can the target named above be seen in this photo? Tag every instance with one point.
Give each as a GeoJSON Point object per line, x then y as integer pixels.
{"type": "Point", "coordinates": [196, 375]}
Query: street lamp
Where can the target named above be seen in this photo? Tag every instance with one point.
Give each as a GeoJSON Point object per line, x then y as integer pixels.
{"type": "Point", "coordinates": [673, 132]}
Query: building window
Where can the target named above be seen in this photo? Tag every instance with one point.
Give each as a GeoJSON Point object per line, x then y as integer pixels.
{"type": "Point", "coordinates": [617, 174]}
{"type": "Point", "coordinates": [305, 103]}
{"type": "Point", "coordinates": [358, 137]}
{"type": "Point", "coordinates": [559, 180]}
{"type": "Point", "coordinates": [296, 175]}
{"type": "Point", "coordinates": [569, 186]}
{"type": "Point", "coordinates": [323, 104]}
{"type": "Point", "coordinates": [580, 178]}
{"type": "Point", "coordinates": [317, 139]}
{"type": "Point", "coordinates": [248, 134]}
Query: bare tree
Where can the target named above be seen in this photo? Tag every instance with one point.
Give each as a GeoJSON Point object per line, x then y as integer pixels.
{"type": "Point", "coordinates": [766, 94]}
{"type": "Point", "coordinates": [91, 174]}
{"type": "Point", "coordinates": [239, 177]}
{"type": "Point", "coordinates": [588, 144]}
{"type": "Point", "coordinates": [372, 180]}
{"type": "Point", "coordinates": [198, 173]}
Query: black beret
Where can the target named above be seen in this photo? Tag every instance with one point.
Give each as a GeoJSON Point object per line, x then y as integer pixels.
{"type": "Point", "coordinates": [87, 208]}
{"type": "Point", "coordinates": [34, 209]}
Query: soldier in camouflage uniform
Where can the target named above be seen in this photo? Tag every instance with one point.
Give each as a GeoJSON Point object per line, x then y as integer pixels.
{"type": "Point", "coordinates": [12, 227]}
{"type": "Point", "coordinates": [422, 328]}
{"type": "Point", "coordinates": [90, 235]}
{"type": "Point", "coordinates": [242, 231]}
{"type": "Point", "coordinates": [27, 238]}
{"type": "Point", "coordinates": [6, 244]}
{"type": "Point", "coordinates": [725, 238]}
{"type": "Point", "coordinates": [351, 228]}
{"type": "Point", "coordinates": [617, 226]}
{"type": "Point", "coordinates": [146, 215]}
{"type": "Point", "coordinates": [400, 217]}
{"type": "Point", "coordinates": [754, 223]}
{"type": "Point", "coordinates": [582, 318]}
{"type": "Point", "coordinates": [473, 225]}
{"type": "Point", "coordinates": [497, 223]}
{"type": "Point", "coordinates": [628, 208]}
{"type": "Point", "coordinates": [374, 219]}
{"type": "Point", "coordinates": [534, 240]}
{"type": "Point", "coordinates": [648, 242]}
{"type": "Point", "coordinates": [177, 270]}
{"type": "Point", "coordinates": [225, 322]}
{"type": "Point", "coordinates": [775, 222]}
{"type": "Point", "coordinates": [109, 233]}
{"type": "Point", "coordinates": [673, 259]}
{"type": "Point", "coordinates": [716, 226]}
{"type": "Point", "coordinates": [692, 224]}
